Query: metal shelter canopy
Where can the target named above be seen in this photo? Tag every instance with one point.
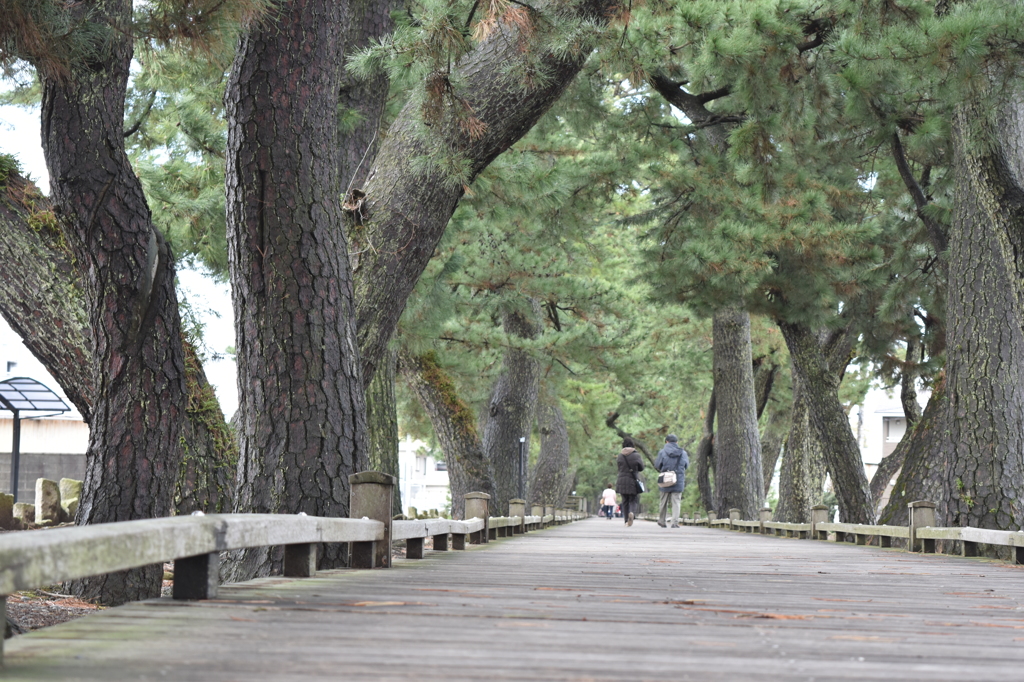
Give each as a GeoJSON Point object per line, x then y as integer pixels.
{"type": "Point", "coordinates": [22, 394]}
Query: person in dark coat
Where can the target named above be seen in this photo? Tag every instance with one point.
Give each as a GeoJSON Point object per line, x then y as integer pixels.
{"type": "Point", "coordinates": [629, 463]}
{"type": "Point", "coordinates": [672, 458]}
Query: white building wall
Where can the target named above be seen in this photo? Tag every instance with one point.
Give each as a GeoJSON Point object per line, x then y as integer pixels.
{"type": "Point", "coordinates": [423, 483]}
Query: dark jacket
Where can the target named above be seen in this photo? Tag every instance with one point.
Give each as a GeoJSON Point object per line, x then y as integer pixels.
{"type": "Point", "coordinates": [673, 457]}
{"type": "Point", "coordinates": [629, 461]}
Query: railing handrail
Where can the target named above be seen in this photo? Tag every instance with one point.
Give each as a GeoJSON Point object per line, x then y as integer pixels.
{"type": "Point", "coordinates": [921, 533]}
{"type": "Point", "coordinates": [36, 558]}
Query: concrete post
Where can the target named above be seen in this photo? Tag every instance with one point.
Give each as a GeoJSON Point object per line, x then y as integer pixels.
{"type": "Point", "coordinates": [549, 511]}
{"type": "Point", "coordinates": [517, 507]}
{"type": "Point", "coordinates": [819, 514]}
{"type": "Point", "coordinates": [370, 497]}
{"type": "Point", "coordinates": [734, 515]}
{"type": "Point", "coordinates": [764, 515]}
{"type": "Point", "coordinates": [476, 508]}
{"type": "Point", "coordinates": [922, 515]}
{"type": "Point", "coordinates": [712, 515]}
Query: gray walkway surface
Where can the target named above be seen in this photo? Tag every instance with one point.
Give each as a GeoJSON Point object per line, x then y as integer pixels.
{"type": "Point", "coordinates": [587, 601]}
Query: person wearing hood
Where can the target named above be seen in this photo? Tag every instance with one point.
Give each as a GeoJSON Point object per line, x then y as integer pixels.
{"type": "Point", "coordinates": [629, 463]}
{"type": "Point", "coordinates": [671, 458]}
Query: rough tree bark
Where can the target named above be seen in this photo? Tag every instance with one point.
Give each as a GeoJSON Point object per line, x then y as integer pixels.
{"type": "Point", "coordinates": [302, 417]}
{"type": "Point", "coordinates": [803, 464]}
{"type": "Point", "coordinates": [454, 425]}
{"type": "Point", "coordinates": [705, 455]}
{"type": "Point", "coordinates": [738, 476]}
{"type": "Point", "coordinates": [398, 223]}
{"type": "Point", "coordinates": [382, 422]}
{"type": "Point", "coordinates": [820, 365]}
{"type": "Point", "coordinates": [551, 481]}
{"type": "Point", "coordinates": [512, 406]}
{"type": "Point", "coordinates": [772, 436]}
{"type": "Point", "coordinates": [924, 466]}
{"type": "Point", "coordinates": [138, 366]}
{"type": "Point", "coordinates": [984, 421]}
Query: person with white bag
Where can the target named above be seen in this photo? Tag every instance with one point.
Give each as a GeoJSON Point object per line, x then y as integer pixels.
{"type": "Point", "coordinates": [671, 464]}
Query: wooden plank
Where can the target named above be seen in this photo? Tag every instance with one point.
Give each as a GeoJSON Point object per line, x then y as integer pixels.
{"type": "Point", "coordinates": [547, 605]}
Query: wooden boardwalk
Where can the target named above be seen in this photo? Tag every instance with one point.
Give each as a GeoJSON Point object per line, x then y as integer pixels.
{"type": "Point", "coordinates": [587, 601]}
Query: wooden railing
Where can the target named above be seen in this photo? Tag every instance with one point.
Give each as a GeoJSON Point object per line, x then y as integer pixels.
{"type": "Point", "coordinates": [921, 535]}
{"type": "Point", "coordinates": [34, 559]}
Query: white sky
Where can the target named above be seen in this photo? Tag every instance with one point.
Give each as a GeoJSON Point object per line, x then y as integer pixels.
{"type": "Point", "coordinates": [19, 135]}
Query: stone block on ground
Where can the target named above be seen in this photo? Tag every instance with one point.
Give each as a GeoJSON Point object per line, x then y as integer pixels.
{"type": "Point", "coordinates": [25, 512]}
{"type": "Point", "coordinates": [7, 512]}
{"type": "Point", "coordinates": [70, 489]}
{"type": "Point", "coordinates": [48, 507]}
{"type": "Point", "coordinates": [70, 507]}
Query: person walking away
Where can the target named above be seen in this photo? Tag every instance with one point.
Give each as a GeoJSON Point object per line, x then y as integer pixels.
{"type": "Point", "coordinates": [629, 463]}
{"type": "Point", "coordinates": [671, 458]}
{"type": "Point", "coordinates": [608, 502]}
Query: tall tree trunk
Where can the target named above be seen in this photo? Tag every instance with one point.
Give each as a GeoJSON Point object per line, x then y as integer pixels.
{"type": "Point", "coordinates": [42, 290]}
{"type": "Point", "coordinates": [301, 415]}
{"type": "Point", "coordinates": [985, 341]}
{"type": "Point", "coordinates": [803, 464]}
{"type": "Point", "coordinates": [820, 366]}
{"type": "Point", "coordinates": [552, 480]}
{"type": "Point", "coordinates": [773, 437]}
{"type": "Point", "coordinates": [924, 464]}
{"type": "Point", "coordinates": [406, 208]}
{"type": "Point", "coordinates": [454, 425]}
{"type": "Point", "coordinates": [138, 366]}
{"type": "Point", "coordinates": [361, 100]}
{"type": "Point", "coordinates": [382, 422]}
{"type": "Point", "coordinates": [705, 456]}
{"type": "Point", "coordinates": [513, 404]}
{"type": "Point", "coordinates": [739, 480]}
{"type": "Point", "coordinates": [891, 464]}
{"type": "Point", "coordinates": [43, 297]}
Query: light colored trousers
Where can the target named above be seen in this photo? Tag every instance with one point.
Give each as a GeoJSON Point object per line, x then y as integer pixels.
{"type": "Point", "coordinates": [670, 498]}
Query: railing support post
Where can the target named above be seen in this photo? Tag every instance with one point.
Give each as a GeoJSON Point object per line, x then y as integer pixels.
{"type": "Point", "coordinates": [819, 514]}
{"type": "Point", "coordinates": [370, 498]}
{"type": "Point", "coordinates": [538, 510]}
{"type": "Point", "coordinates": [196, 577]}
{"type": "Point", "coordinates": [414, 548]}
{"type": "Point", "coordinates": [734, 515]}
{"type": "Point", "coordinates": [476, 508]}
{"type": "Point", "coordinates": [922, 515]}
{"type": "Point", "coordinates": [441, 542]}
{"type": "Point", "coordinates": [300, 560]}
{"type": "Point", "coordinates": [517, 507]}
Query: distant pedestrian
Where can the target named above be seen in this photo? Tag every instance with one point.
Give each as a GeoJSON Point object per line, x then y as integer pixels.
{"type": "Point", "coordinates": [674, 459]}
{"type": "Point", "coordinates": [608, 502]}
{"type": "Point", "coordinates": [629, 463]}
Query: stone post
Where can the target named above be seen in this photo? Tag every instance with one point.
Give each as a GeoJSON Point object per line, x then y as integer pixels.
{"type": "Point", "coordinates": [517, 507]}
{"type": "Point", "coordinates": [734, 515]}
{"type": "Point", "coordinates": [922, 515]}
{"type": "Point", "coordinates": [764, 516]}
{"type": "Point", "coordinates": [370, 498]}
{"type": "Point", "coordinates": [819, 514]}
{"type": "Point", "coordinates": [712, 515]}
{"type": "Point", "coordinates": [538, 510]}
{"type": "Point", "coordinates": [549, 511]}
{"type": "Point", "coordinates": [476, 508]}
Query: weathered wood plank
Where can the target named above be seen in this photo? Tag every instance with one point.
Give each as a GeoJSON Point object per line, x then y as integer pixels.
{"type": "Point", "coordinates": [34, 559]}
{"type": "Point", "coordinates": [593, 600]}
